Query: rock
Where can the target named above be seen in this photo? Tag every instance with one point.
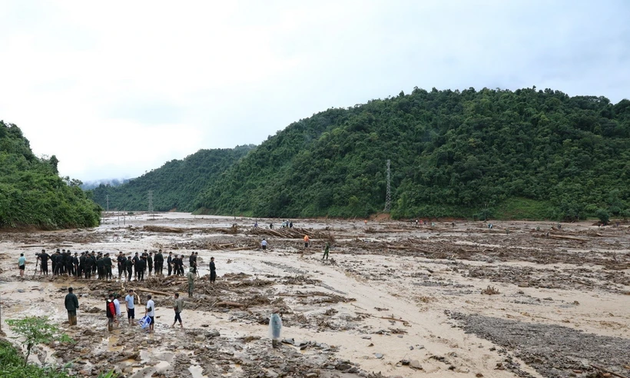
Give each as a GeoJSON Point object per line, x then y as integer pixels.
{"type": "Point", "coordinates": [213, 333]}
{"type": "Point", "coordinates": [366, 337]}
{"type": "Point", "coordinates": [290, 341]}
{"type": "Point", "coordinates": [415, 364]}
{"type": "Point", "coordinates": [378, 355]}
{"type": "Point", "coordinates": [405, 362]}
{"type": "Point", "coordinates": [343, 366]}
{"type": "Point", "coordinates": [94, 310]}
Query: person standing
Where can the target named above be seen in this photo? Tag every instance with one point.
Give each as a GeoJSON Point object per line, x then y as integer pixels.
{"type": "Point", "coordinates": [191, 262]}
{"type": "Point", "coordinates": [136, 265]}
{"type": "Point", "coordinates": [191, 282]}
{"type": "Point", "coordinates": [107, 266]}
{"type": "Point", "coordinates": [121, 265]}
{"type": "Point", "coordinates": [150, 263]}
{"type": "Point", "coordinates": [263, 244]}
{"type": "Point", "coordinates": [141, 267]}
{"type": "Point", "coordinates": [72, 305]}
{"type": "Point", "coordinates": [306, 240]}
{"type": "Point", "coordinates": [110, 310]}
{"type": "Point", "coordinates": [131, 309]}
{"type": "Point", "coordinates": [326, 251]}
{"type": "Point", "coordinates": [169, 263]}
{"type": "Point", "coordinates": [128, 266]}
{"type": "Point", "coordinates": [159, 261]}
{"type": "Point", "coordinates": [213, 270]}
{"type": "Point", "coordinates": [275, 328]}
{"type": "Point", "coordinates": [21, 264]}
{"type": "Point", "coordinates": [117, 308]}
{"type": "Point", "coordinates": [178, 307]}
{"type": "Point", "coordinates": [150, 312]}
{"type": "Point", "coordinates": [43, 259]}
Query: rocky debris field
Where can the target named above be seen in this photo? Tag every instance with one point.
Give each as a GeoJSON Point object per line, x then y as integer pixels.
{"type": "Point", "coordinates": [554, 351]}
{"type": "Point", "coordinates": [395, 299]}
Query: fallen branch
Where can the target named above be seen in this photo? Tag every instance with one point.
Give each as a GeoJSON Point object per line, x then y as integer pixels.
{"type": "Point", "coordinates": [154, 292]}
{"type": "Point", "coordinates": [608, 371]}
{"type": "Point", "coordinates": [404, 322]}
{"type": "Point", "coordinates": [230, 304]}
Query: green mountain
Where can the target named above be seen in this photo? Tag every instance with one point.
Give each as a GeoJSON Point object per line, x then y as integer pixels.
{"type": "Point", "coordinates": [175, 185]}
{"type": "Point", "coordinates": [510, 154]}
{"type": "Point", "coordinates": [31, 192]}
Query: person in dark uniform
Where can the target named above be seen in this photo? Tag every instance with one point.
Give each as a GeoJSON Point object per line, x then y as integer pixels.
{"type": "Point", "coordinates": [213, 270]}
{"type": "Point", "coordinates": [120, 260]}
{"type": "Point", "coordinates": [69, 264]}
{"type": "Point", "coordinates": [150, 262]}
{"type": "Point", "coordinates": [169, 262]}
{"type": "Point", "coordinates": [128, 267]}
{"type": "Point", "coordinates": [94, 266]}
{"type": "Point", "coordinates": [75, 265]}
{"type": "Point", "coordinates": [159, 262]}
{"type": "Point", "coordinates": [142, 267]}
{"type": "Point", "coordinates": [72, 305]}
{"type": "Point", "coordinates": [81, 264]}
{"type": "Point", "coordinates": [88, 266]}
{"type": "Point", "coordinates": [43, 258]}
{"type": "Point", "coordinates": [136, 265]}
{"type": "Point", "coordinates": [107, 266]}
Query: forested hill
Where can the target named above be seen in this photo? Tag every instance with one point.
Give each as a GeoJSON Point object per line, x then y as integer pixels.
{"type": "Point", "coordinates": [175, 185]}
{"type": "Point", "coordinates": [522, 154]}
{"type": "Point", "coordinates": [31, 192]}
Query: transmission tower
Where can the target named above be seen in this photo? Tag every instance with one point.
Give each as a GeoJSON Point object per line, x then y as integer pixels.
{"type": "Point", "coordinates": [388, 194]}
{"type": "Point", "coordinates": [150, 201]}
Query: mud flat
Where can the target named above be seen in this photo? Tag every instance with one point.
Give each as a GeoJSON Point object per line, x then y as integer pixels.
{"type": "Point", "coordinates": [447, 299]}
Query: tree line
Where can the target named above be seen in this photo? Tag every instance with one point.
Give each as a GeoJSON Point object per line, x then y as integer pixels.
{"type": "Point", "coordinates": [524, 154]}
{"type": "Point", "coordinates": [33, 194]}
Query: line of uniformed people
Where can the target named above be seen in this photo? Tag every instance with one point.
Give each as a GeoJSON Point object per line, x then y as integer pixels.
{"type": "Point", "coordinates": [93, 264]}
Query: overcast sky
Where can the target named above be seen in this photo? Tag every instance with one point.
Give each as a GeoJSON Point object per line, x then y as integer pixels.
{"type": "Point", "coordinates": [116, 88]}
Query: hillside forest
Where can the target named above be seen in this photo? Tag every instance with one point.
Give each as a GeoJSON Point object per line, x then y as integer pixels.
{"type": "Point", "coordinates": [524, 154]}
{"type": "Point", "coordinates": [31, 192]}
{"type": "Point", "coordinates": [175, 185]}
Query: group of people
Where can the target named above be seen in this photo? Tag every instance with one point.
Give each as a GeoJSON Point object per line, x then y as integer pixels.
{"type": "Point", "coordinates": [113, 309]}
{"type": "Point", "coordinates": [99, 265]}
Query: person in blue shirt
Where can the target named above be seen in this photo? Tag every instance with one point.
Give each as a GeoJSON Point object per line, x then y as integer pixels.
{"type": "Point", "coordinates": [22, 264]}
{"type": "Point", "coordinates": [131, 308]}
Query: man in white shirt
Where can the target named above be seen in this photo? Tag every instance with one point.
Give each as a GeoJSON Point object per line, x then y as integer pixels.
{"type": "Point", "coordinates": [264, 245]}
{"type": "Point", "coordinates": [131, 311]}
{"type": "Point", "coordinates": [150, 311]}
{"type": "Point", "coordinates": [117, 307]}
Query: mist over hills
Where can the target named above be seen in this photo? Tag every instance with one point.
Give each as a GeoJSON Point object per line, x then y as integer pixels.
{"type": "Point", "coordinates": [510, 154]}
{"type": "Point", "coordinates": [89, 185]}
{"type": "Point", "coordinates": [174, 186]}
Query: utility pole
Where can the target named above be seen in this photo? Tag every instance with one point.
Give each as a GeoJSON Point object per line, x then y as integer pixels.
{"type": "Point", "coordinates": [151, 202]}
{"type": "Point", "coordinates": [388, 194]}
{"type": "Point", "coordinates": [107, 198]}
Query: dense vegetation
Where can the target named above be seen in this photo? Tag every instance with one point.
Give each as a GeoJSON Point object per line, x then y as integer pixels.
{"type": "Point", "coordinates": [175, 185]}
{"type": "Point", "coordinates": [521, 154]}
{"type": "Point", "coordinates": [33, 194]}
